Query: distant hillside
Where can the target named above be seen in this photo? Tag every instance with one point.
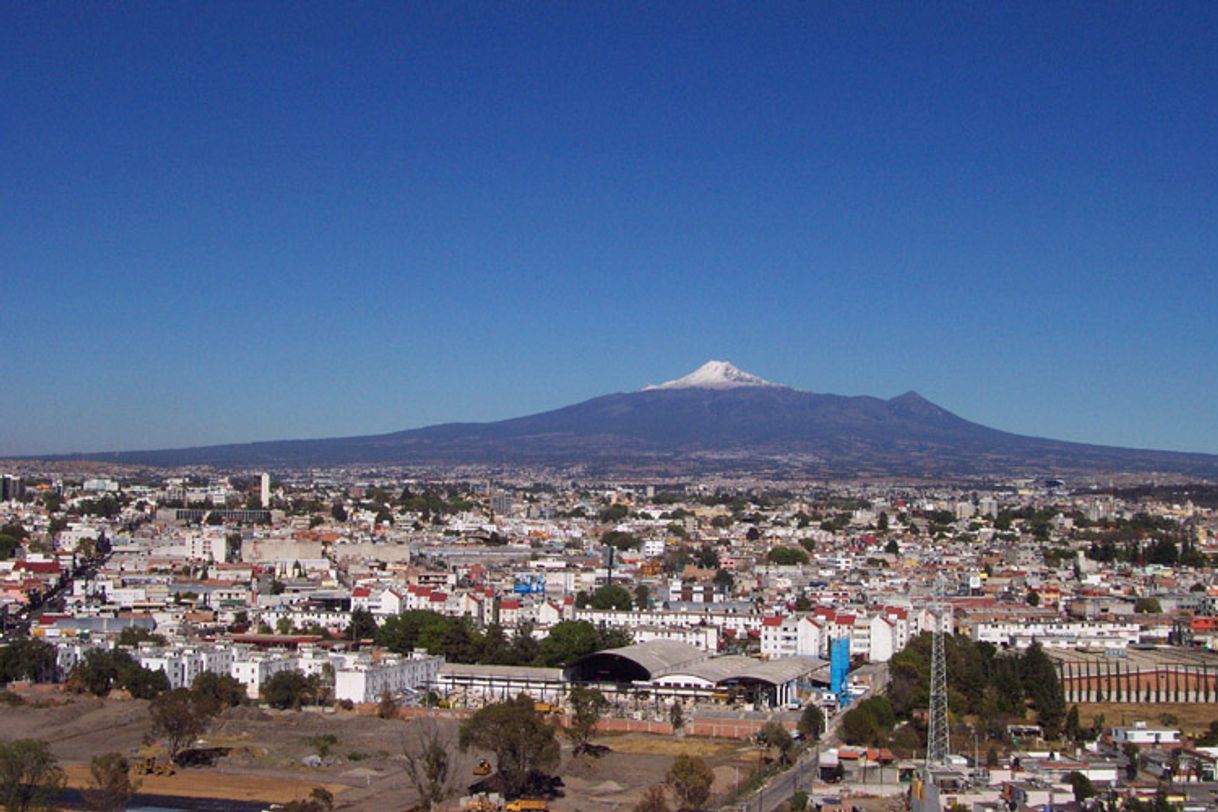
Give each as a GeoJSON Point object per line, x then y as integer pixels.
{"type": "Point", "coordinates": [716, 419]}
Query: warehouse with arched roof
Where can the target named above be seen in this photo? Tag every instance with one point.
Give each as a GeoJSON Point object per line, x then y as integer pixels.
{"type": "Point", "coordinates": [641, 662]}
{"type": "Point", "coordinates": [669, 668]}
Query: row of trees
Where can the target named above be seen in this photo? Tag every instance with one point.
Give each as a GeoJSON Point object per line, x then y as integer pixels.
{"type": "Point", "coordinates": [526, 751]}
{"type": "Point", "coordinates": [995, 687]}
{"type": "Point", "coordinates": [31, 779]}
{"type": "Point", "coordinates": [27, 659]}
{"type": "Point", "coordinates": [461, 642]}
{"type": "Point", "coordinates": [100, 672]}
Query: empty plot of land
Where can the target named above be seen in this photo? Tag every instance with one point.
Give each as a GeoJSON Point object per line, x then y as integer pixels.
{"type": "Point", "coordinates": [275, 756]}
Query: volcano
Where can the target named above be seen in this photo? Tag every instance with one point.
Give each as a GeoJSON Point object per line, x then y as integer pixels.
{"type": "Point", "coordinates": [716, 419]}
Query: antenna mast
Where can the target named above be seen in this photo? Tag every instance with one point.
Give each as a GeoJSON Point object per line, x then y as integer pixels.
{"type": "Point", "coordinates": [937, 743]}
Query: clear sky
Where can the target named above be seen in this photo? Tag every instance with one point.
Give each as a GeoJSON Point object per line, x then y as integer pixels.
{"type": "Point", "coordinates": [240, 221]}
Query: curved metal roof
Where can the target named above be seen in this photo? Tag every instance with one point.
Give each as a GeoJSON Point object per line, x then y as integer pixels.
{"type": "Point", "coordinates": [655, 657]}
{"type": "Point", "coordinates": [662, 658]}
{"type": "Point", "coordinates": [734, 668]}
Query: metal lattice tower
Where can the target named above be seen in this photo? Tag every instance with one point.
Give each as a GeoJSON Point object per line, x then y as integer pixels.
{"type": "Point", "coordinates": [937, 744]}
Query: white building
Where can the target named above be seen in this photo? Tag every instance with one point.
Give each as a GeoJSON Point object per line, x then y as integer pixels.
{"type": "Point", "coordinates": [1019, 634]}
{"type": "Point", "coordinates": [791, 636]}
{"type": "Point", "coordinates": [1140, 733]}
{"type": "Point", "coordinates": [364, 680]}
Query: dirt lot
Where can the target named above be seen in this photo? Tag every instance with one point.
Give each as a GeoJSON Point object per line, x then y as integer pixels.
{"type": "Point", "coordinates": [1190, 717]}
{"type": "Point", "coordinates": [212, 784]}
{"type": "Point", "coordinates": [363, 767]}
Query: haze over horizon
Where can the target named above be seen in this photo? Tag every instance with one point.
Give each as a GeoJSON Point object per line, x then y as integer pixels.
{"type": "Point", "coordinates": [230, 223]}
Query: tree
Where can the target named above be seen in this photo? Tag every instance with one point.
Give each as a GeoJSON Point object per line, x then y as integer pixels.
{"type": "Point", "coordinates": [287, 689]}
{"type": "Point", "coordinates": [653, 800]}
{"type": "Point", "coordinates": [95, 672]}
{"type": "Point", "coordinates": [892, 548]}
{"type": "Point", "coordinates": [1043, 688]}
{"type": "Point", "coordinates": [610, 596]}
{"type": "Point", "coordinates": [362, 626]}
{"type": "Point", "coordinates": [676, 717]}
{"type": "Point", "coordinates": [143, 683]}
{"type": "Point", "coordinates": [177, 718]}
{"type": "Point", "coordinates": [778, 739]}
{"type": "Point", "coordinates": [1082, 786]}
{"type": "Point", "coordinates": [428, 766]}
{"type": "Point", "coordinates": [213, 692]}
{"type": "Point", "coordinates": [1148, 606]}
{"type": "Point", "coordinates": [859, 727]}
{"type": "Point", "coordinates": [27, 659]}
{"type": "Point", "coordinates": [621, 540]}
{"type": "Point", "coordinates": [338, 512]}
{"type": "Point", "coordinates": [387, 708]}
{"type": "Point", "coordinates": [30, 776]}
{"type": "Point", "coordinates": [1130, 751]}
{"type": "Point", "coordinates": [524, 745]}
{"type": "Point", "coordinates": [101, 671]}
{"type": "Point", "coordinates": [613, 513]}
{"type": "Point", "coordinates": [110, 785]}
{"type": "Point", "coordinates": [587, 706]}
{"type": "Point", "coordinates": [690, 781]}
{"type": "Point", "coordinates": [642, 596]}
{"type": "Point", "coordinates": [402, 633]}
{"type": "Point", "coordinates": [8, 545]}
{"type": "Point", "coordinates": [786, 556]}
{"type": "Point", "coordinates": [319, 800]}
{"type": "Point", "coordinates": [724, 580]}
{"type": "Point", "coordinates": [132, 636]}
{"type": "Point", "coordinates": [1074, 728]}
{"type": "Point", "coordinates": [812, 722]}
{"type": "Point", "coordinates": [567, 641]}
{"type": "Point", "coordinates": [1033, 599]}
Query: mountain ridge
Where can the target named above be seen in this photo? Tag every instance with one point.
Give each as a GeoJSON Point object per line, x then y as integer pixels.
{"type": "Point", "coordinates": [715, 419]}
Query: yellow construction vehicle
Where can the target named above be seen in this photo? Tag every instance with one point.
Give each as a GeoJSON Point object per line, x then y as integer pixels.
{"type": "Point", "coordinates": [151, 765]}
{"type": "Point", "coordinates": [481, 803]}
{"type": "Point", "coordinates": [527, 805]}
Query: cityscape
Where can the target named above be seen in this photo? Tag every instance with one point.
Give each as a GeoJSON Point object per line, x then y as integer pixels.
{"type": "Point", "coordinates": [609, 408]}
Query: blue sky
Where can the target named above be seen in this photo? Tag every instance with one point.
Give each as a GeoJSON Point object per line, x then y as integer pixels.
{"type": "Point", "coordinates": [228, 222]}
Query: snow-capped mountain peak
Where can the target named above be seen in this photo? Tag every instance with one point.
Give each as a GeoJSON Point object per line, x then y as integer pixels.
{"type": "Point", "coordinates": [713, 375]}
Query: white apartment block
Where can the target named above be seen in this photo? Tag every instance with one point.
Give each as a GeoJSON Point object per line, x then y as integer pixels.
{"type": "Point", "coordinates": [182, 665]}
{"type": "Point", "coordinates": [1019, 634]}
{"type": "Point", "coordinates": [792, 636]}
{"type": "Point", "coordinates": [740, 624]}
{"type": "Point", "coordinates": [364, 680]}
{"type": "Point", "coordinates": [254, 669]}
{"type": "Point", "coordinates": [705, 638]}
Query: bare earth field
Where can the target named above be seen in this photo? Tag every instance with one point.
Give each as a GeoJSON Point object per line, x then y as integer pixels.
{"type": "Point", "coordinates": [364, 768]}
{"type": "Point", "coordinates": [1193, 717]}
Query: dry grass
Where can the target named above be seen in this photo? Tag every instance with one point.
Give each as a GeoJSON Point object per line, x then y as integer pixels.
{"type": "Point", "coordinates": [668, 746]}
{"type": "Point", "coordinates": [210, 784]}
{"type": "Point", "coordinates": [1192, 717]}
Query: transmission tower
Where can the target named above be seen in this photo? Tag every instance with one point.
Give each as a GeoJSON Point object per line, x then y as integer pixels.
{"type": "Point", "coordinates": [937, 744]}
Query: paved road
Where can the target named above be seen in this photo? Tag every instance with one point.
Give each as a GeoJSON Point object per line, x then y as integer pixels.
{"type": "Point", "coordinates": [779, 789]}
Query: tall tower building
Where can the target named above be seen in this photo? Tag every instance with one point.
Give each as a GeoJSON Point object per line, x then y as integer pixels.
{"type": "Point", "coordinates": [11, 488]}
{"type": "Point", "coordinates": [264, 490]}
